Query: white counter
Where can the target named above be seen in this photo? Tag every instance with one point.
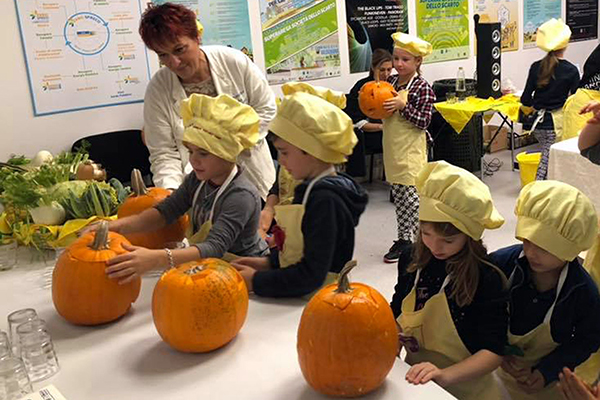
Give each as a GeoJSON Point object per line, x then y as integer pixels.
{"type": "Point", "coordinates": [127, 360]}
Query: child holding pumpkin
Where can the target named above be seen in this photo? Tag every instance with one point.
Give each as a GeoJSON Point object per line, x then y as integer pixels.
{"type": "Point", "coordinates": [405, 136]}
{"type": "Point", "coordinates": [554, 303]}
{"type": "Point", "coordinates": [450, 301]}
{"type": "Point", "coordinates": [224, 206]}
{"type": "Point", "coordinates": [314, 234]}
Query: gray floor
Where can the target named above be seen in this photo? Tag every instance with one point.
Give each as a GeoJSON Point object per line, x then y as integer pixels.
{"type": "Point", "coordinates": [377, 227]}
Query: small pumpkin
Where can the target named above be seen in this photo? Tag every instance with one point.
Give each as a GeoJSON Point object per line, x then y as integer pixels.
{"type": "Point", "coordinates": [200, 306]}
{"type": "Point", "coordinates": [372, 95]}
{"type": "Point", "coordinates": [81, 291]}
{"type": "Point", "coordinates": [141, 199]}
{"type": "Point", "coordinates": [347, 339]}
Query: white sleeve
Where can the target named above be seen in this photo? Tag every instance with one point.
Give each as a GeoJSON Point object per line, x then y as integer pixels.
{"type": "Point", "coordinates": [260, 96]}
{"type": "Point", "coordinates": [165, 160]}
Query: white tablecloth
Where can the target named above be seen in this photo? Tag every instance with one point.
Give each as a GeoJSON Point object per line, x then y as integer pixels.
{"type": "Point", "coordinates": [127, 359]}
{"type": "Point", "coordinates": [567, 165]}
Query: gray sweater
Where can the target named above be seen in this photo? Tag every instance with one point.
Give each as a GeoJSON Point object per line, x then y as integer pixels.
{"type": "Point", "coordinates": [235, 220]}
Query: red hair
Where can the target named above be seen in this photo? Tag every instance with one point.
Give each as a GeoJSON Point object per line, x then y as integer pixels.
{"type": "Point", "coordinates": [163, 25]}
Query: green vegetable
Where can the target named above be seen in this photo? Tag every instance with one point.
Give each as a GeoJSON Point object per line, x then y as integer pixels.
{"type": "Point", "coordinates": [18, 160]}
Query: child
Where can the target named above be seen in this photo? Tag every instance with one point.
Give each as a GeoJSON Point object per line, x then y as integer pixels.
{"type": "Point", "coordinates": [554, 304]}
{"type": "Point", "coordinates": [404, 135]}
{"type": "Point", "coordinates": [311, 136]}
{"type": "Point", "coordinates": [450, 301]}
{"type": "Point", "coordinates": [224, 206]}
{"type": "Point", "coordinates": [589, 139]}
{"type": "Point", "coordinates": [549, 83]}
{"type": "Point", "coordinates": [282, 192]}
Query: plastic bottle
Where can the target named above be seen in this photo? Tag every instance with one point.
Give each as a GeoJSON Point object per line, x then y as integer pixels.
{"type": "Point", "coordinates": [461, 85]}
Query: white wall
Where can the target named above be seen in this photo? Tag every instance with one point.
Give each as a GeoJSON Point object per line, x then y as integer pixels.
{"type": "Point", "coordinates": [22, 133]}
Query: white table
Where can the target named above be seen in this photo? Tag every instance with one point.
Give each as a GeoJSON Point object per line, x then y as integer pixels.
{"type": "Point", "coordinates": [127, 359]}
{"type": "Point", "coordinates": [567, 165]}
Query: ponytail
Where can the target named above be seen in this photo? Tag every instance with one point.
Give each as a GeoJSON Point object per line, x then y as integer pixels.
{"type": "Point", "coordinates": [547, 67]}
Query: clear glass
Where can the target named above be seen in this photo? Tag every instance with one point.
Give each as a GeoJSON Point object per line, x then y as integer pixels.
{"type": "Point", "coordinates": [14, 381]}
{"type": "Point", "coordinates": [39, 357]}
{"type": "Point", "coordinates": [5, 349]}
{"type": "Point", "coordinates": [8, 255]}
{"type": "Point", "coordinates": [451, 97]}
{"type": "Point", "coordinates": [461, 85]}
{"type": "Point", "coordinates": [15, 319]}
{"type": "Point", "coordinates": [35, 325]}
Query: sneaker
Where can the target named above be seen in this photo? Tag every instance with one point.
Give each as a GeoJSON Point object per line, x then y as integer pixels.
{"type": "Point", "coordinates": [394, 252]}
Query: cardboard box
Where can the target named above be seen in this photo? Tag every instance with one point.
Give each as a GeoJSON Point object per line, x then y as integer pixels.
{"type": "Point", "coordinates": [500, 141]}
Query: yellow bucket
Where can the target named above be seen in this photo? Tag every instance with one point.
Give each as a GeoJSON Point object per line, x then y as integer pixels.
{"type": "Point", "coordinates": [528, 165]}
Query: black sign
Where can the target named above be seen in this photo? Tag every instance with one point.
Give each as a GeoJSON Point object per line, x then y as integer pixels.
{"type": "Point", "coordinates": [582, 18]}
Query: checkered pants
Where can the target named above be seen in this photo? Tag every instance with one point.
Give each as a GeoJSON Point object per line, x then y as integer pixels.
{"type": "Point", "coordinates": [546, 137]}
{"type": "Point", "coordinates": [406, 201]}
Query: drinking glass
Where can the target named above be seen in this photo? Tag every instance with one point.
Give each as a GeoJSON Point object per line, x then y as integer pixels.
{"type": "Point", "coordinates": [8, 255]}
{"type": "Point", "coordinates": [15, 319]}
{"type": "Point", "coordinates": [14, 381]}
{"type": "Point", "coordinates": [5, 349]}
{"type": "Point", "coordinates": [38, 355]}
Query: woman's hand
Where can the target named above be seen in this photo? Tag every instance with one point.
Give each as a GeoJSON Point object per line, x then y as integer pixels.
{"type": "Point", "coordinates": [573, 388]}
{"type": "Point", "coordinates": [126, 267]}
{"type": "Point", "coordinates": [425, 372]}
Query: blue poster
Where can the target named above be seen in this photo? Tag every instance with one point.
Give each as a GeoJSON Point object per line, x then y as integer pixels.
{"type": "Point", "coordinates": [535, 13]}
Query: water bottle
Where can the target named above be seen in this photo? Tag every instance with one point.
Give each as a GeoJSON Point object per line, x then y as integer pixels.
{"type": "Point", "coordinates": [461, 85]}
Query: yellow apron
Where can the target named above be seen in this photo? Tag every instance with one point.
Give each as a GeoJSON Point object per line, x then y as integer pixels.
{"type": "Point", "coordinates": [557, 120]}
{"type": "Point", "coordinates": [202, 233]}
{"type": "Point", "coordinates": [289, 219]}
{"type": "Point", "coordinates": [287, 185]}
{"type": "Point", "coordinates": [404, 148]}
{"type": "Point", "coordinates": [535, 345]}
{"type": "Point", "coordinates": [429, 335]}
{"type": "Point", "coordinates": [573, 121]}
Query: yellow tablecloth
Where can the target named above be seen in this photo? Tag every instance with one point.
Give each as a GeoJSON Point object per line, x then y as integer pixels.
{"type": "Point", "coordinates": [458, 114]}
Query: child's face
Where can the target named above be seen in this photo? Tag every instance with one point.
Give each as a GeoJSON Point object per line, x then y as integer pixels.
{"type": "Point", "coordinates": [442, 247]}
{"type": "Point", "coordinates": [298, 163]}
{"type": "Point", "coordinates": [405, 63]}
{"type": "Point", "coordinates": [206, 165]}
{"type": "Point", "coordinates": [540, 260]}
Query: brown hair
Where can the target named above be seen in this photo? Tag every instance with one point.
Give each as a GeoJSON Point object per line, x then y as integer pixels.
{"type": "Point", "coordinates": [547, 67]}
{"type": "Point", "coordinates": [379, 57]}
{"type": "Point", "coordinates": [164, 24]}
{"type": "Point", "coordinates": [463, 267]}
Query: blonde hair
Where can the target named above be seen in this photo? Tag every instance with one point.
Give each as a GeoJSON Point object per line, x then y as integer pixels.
{"type": "Point", "coordinates": [463, 267]}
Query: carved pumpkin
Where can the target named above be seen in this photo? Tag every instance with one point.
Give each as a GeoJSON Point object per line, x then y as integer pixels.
{"type": "Point", "coordinates": [371, 98]}
{"type": "Point", "coordinates": [200, 306]}
{"type": "Point", "coordinates": [81, 291]}
{"type": "Point", "coordinates": [347, 339]}
{"type": "Point", "coordinates": [142, 199]}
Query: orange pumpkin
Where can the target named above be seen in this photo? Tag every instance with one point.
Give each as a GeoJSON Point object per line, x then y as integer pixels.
{"type": "Point", "coordinates": [347, 339]}
{"type": "Point", "coordinates": [200, 306]}
{"type": "Point", "coordinates": [372, 96]}
{"type": "Point", "coordinates": [81, 291]}
{"type": "Point", "coordinates": [142, 199]}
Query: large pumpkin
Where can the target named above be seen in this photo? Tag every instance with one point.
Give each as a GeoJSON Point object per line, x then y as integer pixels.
{"type": "Point", "coordinates": [141, 199]}
{"type": "Point", "coordinates": [200, 306]}
{"type": "Point", "coordinates": [81, 291]}
{"type": "Point", "coordinates": [347, 339]}
{"type": "Point", "coordinates": [372, 96]}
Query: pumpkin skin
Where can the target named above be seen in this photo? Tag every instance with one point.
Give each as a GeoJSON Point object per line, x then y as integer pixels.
{"type": "Point", "coordinates": [347, 341]}
{"type": "Point", "coordinates": [200, 306]}
{"type": "Point", "coordinates": [142, 199]}
{"type": "Point", "coordinates": [82, 292]}
{"type": "Point", "coordinates": [371, 98]}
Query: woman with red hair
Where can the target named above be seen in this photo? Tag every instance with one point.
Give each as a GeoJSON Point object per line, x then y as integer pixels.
{"type": "Point", "coordinates": [172, 32]}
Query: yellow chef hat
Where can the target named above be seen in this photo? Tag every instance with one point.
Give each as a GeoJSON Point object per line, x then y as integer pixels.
{"type": "Point", "coordinates": [200, 28]}
{"type": "Point", "coordinates": [336, 98]}
{"type": "Point", "coordinates": [556, 217]}
{"type": "Point", "coordinates": [221, 125]}
{"type": "Point", "coordinates": [552, 35]}
{"type": "Point", "coordinates": [315, 126]}
{"type": "Point", "coordinates": [414, 45]}
{"type": "Point", "coordinates": [452, 194]}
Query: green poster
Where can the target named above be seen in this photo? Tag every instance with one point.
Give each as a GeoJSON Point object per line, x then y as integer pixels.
{"type": "Point", "coordinates": [444, 24]}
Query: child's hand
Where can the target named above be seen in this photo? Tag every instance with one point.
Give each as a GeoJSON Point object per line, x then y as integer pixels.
{"type": "Point", "coordinates": [573, 388]}
{"type": "Point", "coordinates": [423, 373]}
{"type": "Point", "coordinates": [258, 263]}
{"type": "Point", "coordinates": [126, 267]}
{"type": "Point", "coordinates": [266, 218]}
{"type": "Point", "coordinates": [593, 107]}
{"type": "Point", "coordinates": [534, 383]}
{"type": "Point", "coordinates": [395, 103]}
{"type": "Point", "coordinates": [511, 367]}
{"type": "Point", "coordinates": [113, 226]}
{"type": "Point", "coordinates": [247, 273]}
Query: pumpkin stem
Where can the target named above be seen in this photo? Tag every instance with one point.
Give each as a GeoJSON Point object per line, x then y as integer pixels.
{"type": "Point", "coordinates": [377, 75]}
{"type": "Point", "coordinates": [137, 183]}
{"type": "Point", "coordinates": [101, 239]}
{"type": "Point", "coordinates": [343, 281]}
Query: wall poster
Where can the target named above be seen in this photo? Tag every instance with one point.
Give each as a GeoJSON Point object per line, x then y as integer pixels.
{"type": "Point", "coordinates": [535, 13]}
{"type": "Point", "coordinates": [582, 18]}
{"type": "Point", "coordinates": [506, 12]}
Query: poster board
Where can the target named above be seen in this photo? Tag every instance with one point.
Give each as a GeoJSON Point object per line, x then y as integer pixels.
{"type": "Point", "coordinates": [582, 18]}
{"type": "Point", "coordinates": [507, 13]}
{"type": "Point", "coordinates": [535, 13]}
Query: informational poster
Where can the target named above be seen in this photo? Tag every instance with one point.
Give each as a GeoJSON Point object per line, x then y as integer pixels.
{"type": "Point", "coordinates": [444, 24]}
{"type": "Point", "coordinates": [582, 18]}
{"type": "Point", "coordinates": [506, 12]}
{"type": "Point", "coordinates": [225, 22]}
{"type": "Point", "coordinates": [535, 13]}
{"type": "Point", "coordinates": [370, 26]}
{"type": "Point", "coordinates": [82, 55]}
{"type": "Point", "coordinates": [300, 39]}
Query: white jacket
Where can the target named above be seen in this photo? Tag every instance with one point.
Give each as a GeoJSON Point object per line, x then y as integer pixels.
{"type": "Point", "coordinates": [233, 73]}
